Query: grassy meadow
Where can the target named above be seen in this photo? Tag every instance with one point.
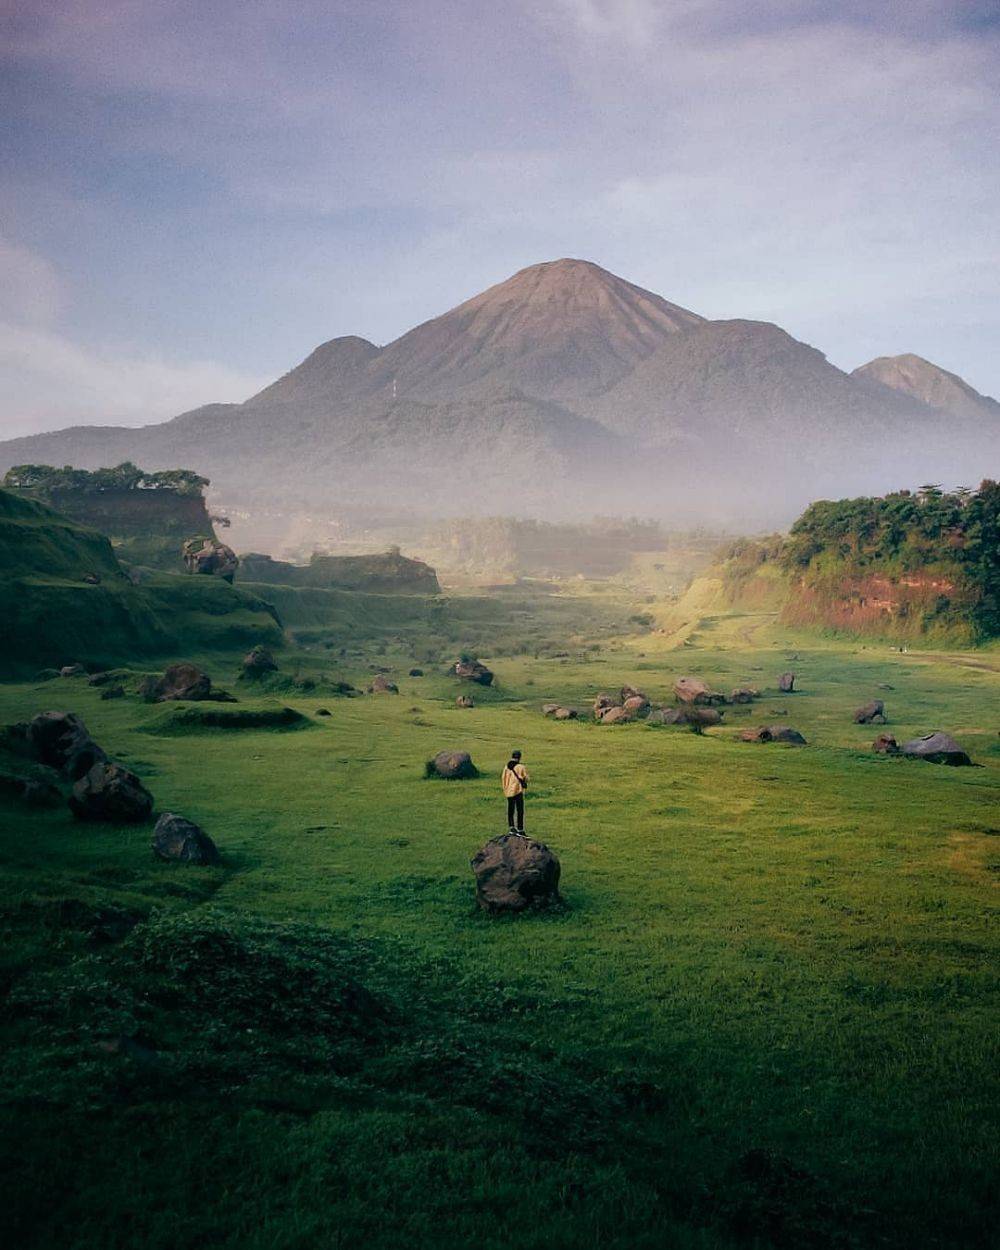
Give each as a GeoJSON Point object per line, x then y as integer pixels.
{"type": "Point", "coordinates": [766, 1016]}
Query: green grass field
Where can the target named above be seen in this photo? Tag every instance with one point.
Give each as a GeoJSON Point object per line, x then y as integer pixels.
{"type": "Point", "coordinates": [767, 1015]}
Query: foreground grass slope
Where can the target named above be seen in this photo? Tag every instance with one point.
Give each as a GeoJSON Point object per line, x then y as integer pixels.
{"type": "Point", "coordinates": [767, 1016]}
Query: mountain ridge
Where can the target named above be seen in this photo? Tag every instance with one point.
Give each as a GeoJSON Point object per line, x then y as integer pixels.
{"type": "Point", "coordinates": [563, 390]}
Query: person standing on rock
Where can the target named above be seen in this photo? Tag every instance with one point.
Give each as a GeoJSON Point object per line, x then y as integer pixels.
{"type": "Point", "coordinates": [515, 782]}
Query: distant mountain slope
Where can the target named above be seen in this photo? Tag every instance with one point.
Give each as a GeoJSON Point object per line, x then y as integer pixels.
{"type": "Point", "coordinates": [927, 383]}
{"type": "Point", "coordinates": [563, 391]}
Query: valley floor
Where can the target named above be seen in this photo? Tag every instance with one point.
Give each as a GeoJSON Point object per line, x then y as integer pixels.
{"type": "Point", "coordinates": [766, 1017]}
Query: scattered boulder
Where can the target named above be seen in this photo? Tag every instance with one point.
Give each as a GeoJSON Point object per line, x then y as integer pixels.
{"type": "Point", "coordinates": [465, 700]}
{"type": "Point", "coordinates": [211, 558]}
{"type": "Point", "coordinates": [179, 839]}
{"type": "Point", "coordinates": [514, 873]}
{"type": "Point", "coordinates": [61, 741]}
{"type": "Point", "coordinates": [181, 682]}
{"type": "Point", "coordinates": [113, 692]}
{"type": "Point", "coordinates": [322, 711]}
{"type": "Point", "coordinates": [92, 579]}
{"type": "Point", "coordinates": [109, 791]}
{"type": "Point", "coordinates": [473, 670]}
{"type": "Point", "coordinates": [603, 703]}
{"type": "Point", "coordinates": [631, 692]}
{"type": "Point", "coordinates": [29, 790]}
{"type": "Point", "coordinates": [873, 713]}
{"type": "Point", "coordinates": [72, 670]}
{"type": "Point", "coordinates": [691, 690]}
{"type": "Point", "coordinates": [884, 685]}
{"type": "Point", "coordinates": [452, 766]}
{"type": "Point", "coordinates": [786, 683]}
{"type": "Point", "coordinates": [258, 661]}
{"type": "Point", "coordinates": [666, 716]}
{"type": "Point", "coordinates": [614, 716]}
{"type": "Point", "coordinates": [416, 672]}
{"type": "Point", "coordinates": [760, 734]}
{"type": "Point", "coordinates": [550, 709]}
{"type": "Point", "coordinates": [885, 744]}
{"type": "Point", "coordinates": [565, 713]}
{"type": "Point", "coordinates": [936, 748]}
{"type": "Point", "coordinates": [744, 694]}
{"type": "Point", "coordinates": [380, 684]}
{"type": "Point", "coordinates": [196, 718]}
{"type": "Point", "coordinates": [100, 679]}
{"type": "Point", "coordinates": [783, 733]}
{"type": "Point", "coordinates": [702, 717]}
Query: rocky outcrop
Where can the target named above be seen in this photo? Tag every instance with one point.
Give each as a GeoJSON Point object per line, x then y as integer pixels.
{"type": "Point", "coordinates": [211, 558]}
{"type": "Point", "coordinates": [473, 670]}
{"type": "Point", "coordinates": [181, 681]}
{"type": "Point", "coordinates": [452, 766]}
{"type": "Point", "coordinates": [936, 748]}
{"type": "Point", "coordinates": [514, 873]}
{"type": "Point", "coordinates": [181, 840]}
{"type": "Point", "coordinates": [258, 662]}
{"type": "Point", "coordinates": [61, 741]}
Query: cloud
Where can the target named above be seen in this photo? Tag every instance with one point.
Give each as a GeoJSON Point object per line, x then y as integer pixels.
{"type": "Point", "coordinates": [50, 382]}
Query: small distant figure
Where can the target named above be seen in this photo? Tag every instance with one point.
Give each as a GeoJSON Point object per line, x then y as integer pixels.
{"type": "Point", "coordinates": [515, 782]}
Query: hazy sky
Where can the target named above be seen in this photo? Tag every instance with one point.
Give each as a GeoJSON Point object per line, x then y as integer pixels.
{"type": "Point", "coordinates": [194, 193]}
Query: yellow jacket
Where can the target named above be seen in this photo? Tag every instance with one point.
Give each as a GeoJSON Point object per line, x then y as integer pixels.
{"type": "Point", "coordinates": [514, 780]}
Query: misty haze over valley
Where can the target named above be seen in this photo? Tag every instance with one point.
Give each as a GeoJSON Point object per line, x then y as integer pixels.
{"type": "Point", "coordinates": [563, 393]}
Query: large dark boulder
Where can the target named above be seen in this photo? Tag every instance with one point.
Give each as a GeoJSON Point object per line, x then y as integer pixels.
{"type": "Point", "coordinates": [108, 791]}
{"type": "Point", "coordinates": [936, 748]}
{"type": "Point", "coordinates": [176, 838]}
{"type": "Point", "coordinates": [513, 873]}
{"type": "Point", "coordinates": [452, 766]}
{"type": "Point", "coordinates": [784, 733]}
{"type": "Point", "coordinates": [873, 713]}
{"type": "Point", "coordinates": [473, 670]}
{"type": "Point", "coordinates": [61, 740]}
{"type": "Point", "coordinates": [258, 662]}
{"type": "Point", "coordinates": [210, 558]}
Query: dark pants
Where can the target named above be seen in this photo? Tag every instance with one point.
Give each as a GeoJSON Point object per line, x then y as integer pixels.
{"type": "Point", "coordinates": [515, 807]}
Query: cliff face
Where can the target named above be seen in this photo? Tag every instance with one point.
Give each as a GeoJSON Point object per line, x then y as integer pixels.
{"type": "Point", "coordinates": [910, 607]}
{"type": "Point", "coordinates": [388, 573]}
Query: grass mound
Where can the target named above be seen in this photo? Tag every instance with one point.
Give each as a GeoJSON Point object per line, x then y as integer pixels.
{"type": "Point", "coordinates": [186, 719]}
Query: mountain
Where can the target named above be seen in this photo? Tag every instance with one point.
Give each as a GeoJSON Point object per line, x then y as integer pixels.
{"type": "Point", "coordinates": [928, 383]}
{"type": "Point", "coordinates": [563, 391]}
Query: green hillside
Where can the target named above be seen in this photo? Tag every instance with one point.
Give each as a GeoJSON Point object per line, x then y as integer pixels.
{"type": "Point", "coordinates": [913, 567]}
{"type": "Point", "coordinates": [64, 598]}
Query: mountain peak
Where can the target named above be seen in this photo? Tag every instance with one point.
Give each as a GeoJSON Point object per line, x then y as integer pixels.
{"type": "Point", "coordinates": [557, 330]}
{"type": "Point", "coordinates": [921, 379]}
